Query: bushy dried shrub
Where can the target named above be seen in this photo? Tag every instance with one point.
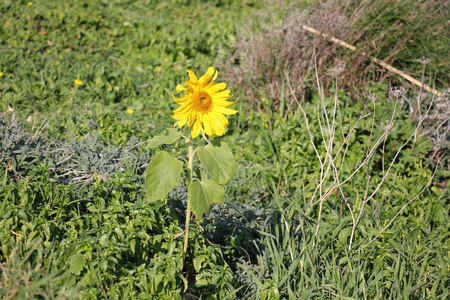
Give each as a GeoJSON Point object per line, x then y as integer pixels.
{"type": "Point", "coordinates": [436, 126]}
{"type": "Point", "coordinates": [398, 33]}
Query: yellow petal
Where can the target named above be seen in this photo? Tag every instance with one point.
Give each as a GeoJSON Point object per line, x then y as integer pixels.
{"type": "Point", "coordinates": [215, 75]}
{"type": "Point", "coordinates": [182, 112]}
{"type": "Point", "coordinates": [225, 111]}
{"type": "Point", "coordinates": [180, 88]}
{"type": "Point", "coordinates": [192, 76]}
{"type": "Point", "coordinates": [222, 119]}
{"type": "Point", "coordinates": [223, 103]}
{"type": "Point", "coordinates": [182, 122]}
{"type": "Point", "coordinates": [216, 88]}
{"type": "Point", "coordinates": [219, 129]}
{"type": "Point", "coordinates": [223, 94]}
{"type": "Point", "coordinates": [180, 100]}
{"type": "Point", "coordinates": [207, 77]}
{"type": "Point", "coordinates": [192, 117]}
{"type": "Point", "coordinates": [207, 127]}
{"type": "Point", "coordinates": [195, 130]}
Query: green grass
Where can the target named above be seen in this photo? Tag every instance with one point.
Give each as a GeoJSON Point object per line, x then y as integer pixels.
{"type": "Point", "coordinates": [298, 221]}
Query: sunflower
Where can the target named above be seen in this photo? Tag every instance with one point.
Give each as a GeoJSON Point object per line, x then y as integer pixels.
{"type": "Point", "coordinates": [204, 105]}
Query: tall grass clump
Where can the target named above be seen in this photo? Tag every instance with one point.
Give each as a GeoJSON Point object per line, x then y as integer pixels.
{"type": "Point", "coordinates": [354, 199]}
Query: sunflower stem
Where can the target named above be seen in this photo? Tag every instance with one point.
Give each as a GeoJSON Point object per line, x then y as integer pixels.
{"type": "Point", "coordinates": [188, 208]}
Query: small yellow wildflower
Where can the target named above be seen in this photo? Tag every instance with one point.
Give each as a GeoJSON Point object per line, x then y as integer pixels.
{"type": "Point", "coordinates": [204, 105]}
{"type": "Point", "coordinates": [1, 74]}
{"type": "Point", "coordinates": [130, 111]}
{"type": "Point", "coordinates": [30, 3]}
{"type": "Point", "coordinates": [78, 82]}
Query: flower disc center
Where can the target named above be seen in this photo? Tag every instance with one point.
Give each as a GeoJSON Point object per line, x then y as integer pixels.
{"type": "Point", "coordinates": [202, 101]}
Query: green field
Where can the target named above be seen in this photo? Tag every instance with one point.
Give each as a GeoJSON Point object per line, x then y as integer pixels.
{"type": "Point", "coordinates": [340, 189]}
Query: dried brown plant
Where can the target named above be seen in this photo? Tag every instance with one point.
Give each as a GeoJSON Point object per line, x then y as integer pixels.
{"type": "Point", "coordinates": [266, 55]}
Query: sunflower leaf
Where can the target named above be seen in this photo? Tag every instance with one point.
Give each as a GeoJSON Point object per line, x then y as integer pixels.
{"type": "Point", "coordinates": [162, 175]}
{"type": "Point", "coordinates": [202, 194]}
{"type": "Point", "coordinates": [219, 161]}
{"type": "Point", "coordinates": [170, 136]}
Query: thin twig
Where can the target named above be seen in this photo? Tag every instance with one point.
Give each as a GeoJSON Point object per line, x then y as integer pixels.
{"type": "Point", "coordinates": [375, 60]}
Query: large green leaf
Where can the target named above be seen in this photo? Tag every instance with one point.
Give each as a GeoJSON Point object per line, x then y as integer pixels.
{"type": "Point", "coordinates": [218, 161]}
{"type": "Point", "coordinates": [170, 136]}
{"type": "Point", "coordinates": [76, 263]}
{"type": "Point", "coordinates": [202, 193]}
{"type": "Point", "coordinates": [163, 174]}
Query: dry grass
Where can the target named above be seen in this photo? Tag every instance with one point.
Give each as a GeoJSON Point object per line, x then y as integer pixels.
{"type": "Point", "coordinates": [389, 32]}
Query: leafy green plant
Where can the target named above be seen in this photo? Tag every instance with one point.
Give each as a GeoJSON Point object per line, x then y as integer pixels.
{"type": "Point", "coordinates": [205, 104]}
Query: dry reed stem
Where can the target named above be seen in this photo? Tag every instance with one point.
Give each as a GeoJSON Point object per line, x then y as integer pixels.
{"type": "Point", "coordinates": [374, 59]}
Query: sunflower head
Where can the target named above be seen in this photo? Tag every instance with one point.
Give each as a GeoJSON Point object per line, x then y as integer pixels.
{"type": "Point", "coordinates": [204, 104]}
